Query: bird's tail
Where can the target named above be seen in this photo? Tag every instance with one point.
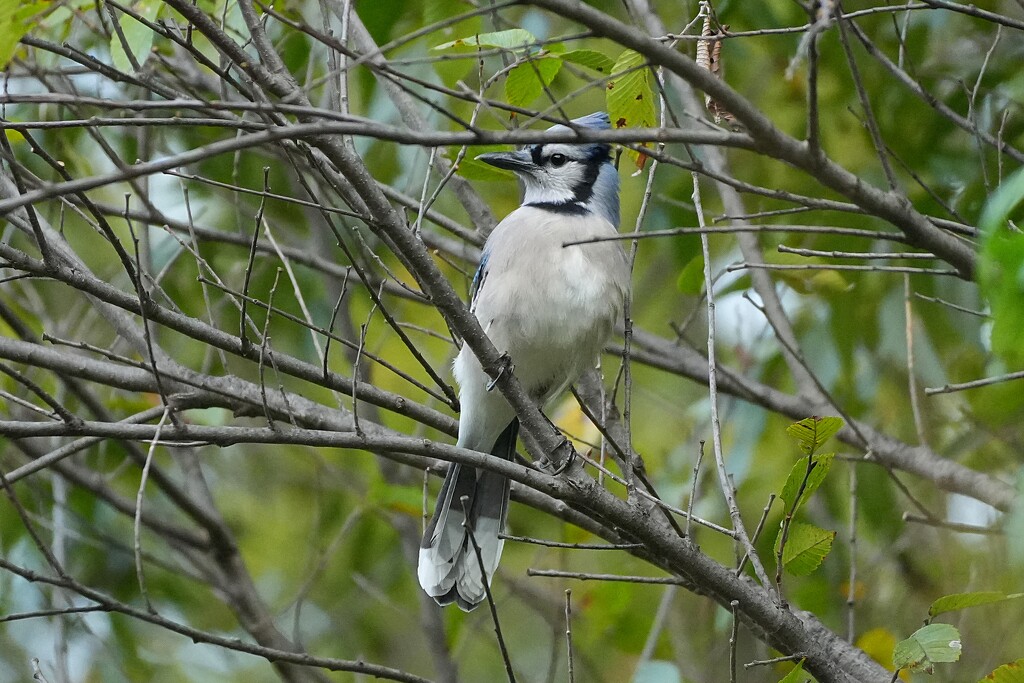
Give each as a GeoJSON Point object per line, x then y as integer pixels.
{"type": "Point", "coordinates": [449, 570]}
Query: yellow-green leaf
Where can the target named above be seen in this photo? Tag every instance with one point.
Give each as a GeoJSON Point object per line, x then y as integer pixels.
{"type": "Point", "coordinates": [137, 35]}
{"type": "Point", "coordinates": [17, 19]}
{"type": "Point", "coordinates": [512, 39]}
{"type": "Point", "coordinates": [806, 548]}
{"type": "Point", "coordinates": [629, 95]}
{"type": "Point", "coordinates": [820, 466]}
{"type": "Point", "coordinates": [796, 674]}
{"type": "Point", "coordinates": [958, 601]}
{"type": "Point", "coordinates": [1000, 268]}
{"type": "Point", "coordinates": [1007, 673]}
{"type": "Point", "coordinates": [591, 59]}
{"type": "Point", "coordinates": [691, 277]}
{"type": "Point", "coordinates": [812, 432]}
{"type": "Point", "coordinates": [527, 81]}
{"type": "Point", "coordinates": [928, 645]}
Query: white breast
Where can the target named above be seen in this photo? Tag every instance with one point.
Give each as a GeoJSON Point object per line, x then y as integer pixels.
{"type": "Point", "coordinates": [551, 308]}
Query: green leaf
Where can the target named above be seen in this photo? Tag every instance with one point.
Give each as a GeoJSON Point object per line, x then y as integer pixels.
{"type": "Point", "coordinates": [138, 36]}
{"type": "Point", "coordinates": [796, 674]}
{"type": "Point", "coordinates": [1001, 269]}
{"type": "Point", "coordinates": [928, 645]}
{"type": "Point", "coordinates": [527, 81]}
{"type": "Point", "coordinates": [591, 59]}
{"type": "Point", "coordinates": [958, 601]}
{"type": "Point", "coordinates": [1007, 673]}
{"type": "Point", "coordinates": [806, 548]}
{"type": "Point", "coordinates": [629, 95]}
{"type": "Point", "coordinates": [812, 432]}
{"type": "Point", "coordinates": [17, 19]}
{"type": "Point", "coordinates": [512, 39]}
{"type": "Point", "coordinates": [820, 466]}
{"type": "Point", "coordinates": [691, 277]}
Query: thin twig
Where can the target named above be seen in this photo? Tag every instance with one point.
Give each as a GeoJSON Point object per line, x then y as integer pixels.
{"type": "Point", "coordinates": [915, 405]}
{"type": "Point", "coordinates": [137, 528]}
{"type": "Point", "coordinates": [851, 588]}
{"type": "Point", "coordinates": [975, 384]}
{"type": "Point", "coordinates": [954, 526]}
{"type": "Point", "coordinates": [587, 576]}
{"type": "Point", "coordinates": [568, 633]}
{"type": "Point", "coordinates": [757, 532]}
{"type": "Point", "coordinates": [733, 639]}
{"type": "Point", "coordinates": [574, 546]}
{"type": "Point", "coordinates": [252, 257]}
{"type": "Point", "coordinates": [716, 427]}
{"type": "Point", "coordinates": [775, 660]}
{"type": "Point", "coordinates": [693, 488]}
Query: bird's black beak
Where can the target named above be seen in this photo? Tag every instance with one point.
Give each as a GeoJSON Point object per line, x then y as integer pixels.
{"type": "Point", "coordinates": [519, 162]}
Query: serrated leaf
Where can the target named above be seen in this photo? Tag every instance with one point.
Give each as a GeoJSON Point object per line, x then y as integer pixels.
{"type": "Point", "coordinates": [796, 674]}
{"type": "Point", "coordinates": [811, 432]}
{"type": "Point", "coordinates": [16, 20]}
{"type": "Point", "coordinates": [1001, 268]}
{"type": "Point", "coordinates": [527, 81]}
{"type": "Point", "coordinates": [591, 59]}
{"type": "Point", "coordinates": [806, 548]}
{"type": "Point", "coordinates": [512, 39]}
{"type": "Point", "coordinates": [958, 601]}
{"type": "Point", "coordinates": [1007, 673]}
{"type": "Point", "coordinates": [138, 36]}
{"type": "Point", "coordinates": [629, 95]}
{"type": "Point", "coordinates": [820, 466]}
{"type": "Point", "coordinates": [691, 277]}
{"type": "Point", "coordinates": [928, 646]}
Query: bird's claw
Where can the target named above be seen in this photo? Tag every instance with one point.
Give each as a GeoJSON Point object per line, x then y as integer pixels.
{"type": "Point", "coordinates": [568, 460]}
{"type": "Point", "coordinates": [506, 365]}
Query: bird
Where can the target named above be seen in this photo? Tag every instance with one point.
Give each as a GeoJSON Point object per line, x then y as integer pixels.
{"type": "Point", "coordinates": [549, 308]}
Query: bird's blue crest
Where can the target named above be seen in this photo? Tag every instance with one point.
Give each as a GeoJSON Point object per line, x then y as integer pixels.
{"type": "Point", "coordinates": [599, 120]}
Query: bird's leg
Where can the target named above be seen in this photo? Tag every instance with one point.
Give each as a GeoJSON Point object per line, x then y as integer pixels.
{"type": "Point", "coordinates": [552, 458]}
{"type": "Point", "coordinates": [505, 365]}
{"type": "Point", "coordinates": [568, 460]}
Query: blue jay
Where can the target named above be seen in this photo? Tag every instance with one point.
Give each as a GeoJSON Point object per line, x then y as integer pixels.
{"type": "Point", "coordinates": [550, 309]}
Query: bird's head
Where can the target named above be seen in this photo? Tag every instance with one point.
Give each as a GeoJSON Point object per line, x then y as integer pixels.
{"type": "Point", "coordinates": [565, 176]}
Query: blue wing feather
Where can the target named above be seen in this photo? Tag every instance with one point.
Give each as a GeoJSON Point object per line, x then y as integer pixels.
{"type": "Point", "coordinates": [478, 279]}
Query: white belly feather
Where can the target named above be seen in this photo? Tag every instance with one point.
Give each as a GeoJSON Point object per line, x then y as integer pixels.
{"type": "Point", "coordinates": [550, 308]}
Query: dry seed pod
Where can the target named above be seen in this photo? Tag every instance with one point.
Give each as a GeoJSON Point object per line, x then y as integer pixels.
{"type": "Point", "coordinates": [709, 51]}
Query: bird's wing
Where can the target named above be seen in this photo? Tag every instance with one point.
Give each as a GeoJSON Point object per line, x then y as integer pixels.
{"type": "Point", "coordinates": [478, 280]}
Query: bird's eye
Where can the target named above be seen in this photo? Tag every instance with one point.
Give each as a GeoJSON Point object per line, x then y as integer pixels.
{"type": "Point", "coordinates": [557, 160]}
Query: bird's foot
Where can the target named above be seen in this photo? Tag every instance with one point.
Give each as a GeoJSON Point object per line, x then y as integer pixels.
{"type": "Point", "coordinates": [567, 460]}
{"type": "Point", "coordinates": [505, 365]}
